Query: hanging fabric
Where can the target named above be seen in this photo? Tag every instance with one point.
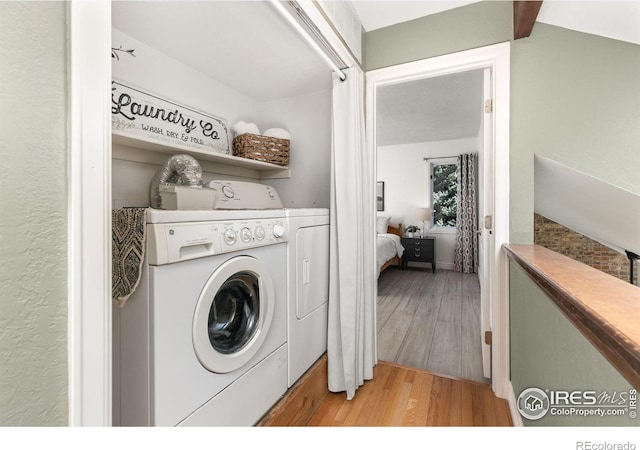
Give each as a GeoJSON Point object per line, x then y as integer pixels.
{"type": "Point", "coordinates": [466, 254]}
{"type": "Point", "coordinates": [128, 237]}
{"type": "Point", "coordinates": [351, 348]}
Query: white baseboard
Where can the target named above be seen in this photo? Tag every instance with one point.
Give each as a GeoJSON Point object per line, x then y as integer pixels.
{"type": "Point", "coordinates": [513, 408]}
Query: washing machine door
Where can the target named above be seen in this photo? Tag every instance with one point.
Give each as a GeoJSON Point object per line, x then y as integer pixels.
{"type": "Point", "coordinates": [233, 314]}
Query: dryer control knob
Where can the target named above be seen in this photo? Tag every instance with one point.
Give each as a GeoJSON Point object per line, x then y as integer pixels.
{"type": "Point", "coordinates": [259, 232]}
{"type": "Point", "coordinates": [245, 234]}
{"type": "Point", "coordinates": [229, 236]}
{"type": "Point", "coordinates": [278, 230]}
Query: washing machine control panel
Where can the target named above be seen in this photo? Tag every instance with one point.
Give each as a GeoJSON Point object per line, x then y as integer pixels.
{"type": "Point", "coordinates": [173, 242]}
{"type": "Point", "coordinates": [253, 233]}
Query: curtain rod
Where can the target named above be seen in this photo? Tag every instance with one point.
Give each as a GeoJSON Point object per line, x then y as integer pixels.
{"type": "Point", "coordinates": [308, 33]}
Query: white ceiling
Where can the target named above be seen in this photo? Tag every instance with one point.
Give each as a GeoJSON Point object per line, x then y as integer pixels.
{"type": "Point", "coordinates": [376, 14]}
{"type": "Point", "coordinates": [445, 107]}
{"type": "Point", "coordinates": [246, 45]}
{"type": "Point", "coordinates": [249, 47]}
{"type": "Point", "coordinates": [432, 109]}
{"type": "Point", "coordinates": [609, 18]}
{"type": "Point", "coordinates": [613, 19]}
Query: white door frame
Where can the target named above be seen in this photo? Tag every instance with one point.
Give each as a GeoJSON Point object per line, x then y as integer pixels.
{"type": "Point", "coordinates": [496, 57]}
{"type": "Point", "coordinates": [486, 240]}
{"type": "Point", "coordinates": [89, 213]}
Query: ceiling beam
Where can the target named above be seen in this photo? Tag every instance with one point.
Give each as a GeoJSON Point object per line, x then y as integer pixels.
{"type": "Point", "coordinates": [524, 17]}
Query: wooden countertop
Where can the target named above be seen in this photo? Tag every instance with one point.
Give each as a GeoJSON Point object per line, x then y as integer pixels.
{"type": "Point", "coordinates": [604, 308]}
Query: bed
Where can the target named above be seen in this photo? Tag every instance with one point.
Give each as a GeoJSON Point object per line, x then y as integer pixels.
{"type": "Point", "coordinates": [388, 246]}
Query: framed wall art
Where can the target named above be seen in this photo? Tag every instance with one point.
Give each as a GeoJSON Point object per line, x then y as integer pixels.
{"type": "Point", "coordinates": [380, 196]}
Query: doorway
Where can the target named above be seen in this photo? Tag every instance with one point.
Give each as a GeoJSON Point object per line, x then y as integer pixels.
{"type": "Point", "coordinates": [431, 319]}
{"type": "Point", "coordinates": [491, 64]}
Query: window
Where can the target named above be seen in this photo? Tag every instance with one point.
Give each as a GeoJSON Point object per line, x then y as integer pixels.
{"type": "Point", "coordinates": [444, 193]}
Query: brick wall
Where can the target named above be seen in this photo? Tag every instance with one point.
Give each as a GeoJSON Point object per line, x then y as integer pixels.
{"type": "Point", "coordinates": [560, 239]}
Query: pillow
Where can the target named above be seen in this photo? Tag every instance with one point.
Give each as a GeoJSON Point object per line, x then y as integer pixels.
{"type": "Point", "coordinates": [382, 224]}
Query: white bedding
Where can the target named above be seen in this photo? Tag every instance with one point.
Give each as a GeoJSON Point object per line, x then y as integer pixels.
{"type": "Point", "coordinates": [388, 245]}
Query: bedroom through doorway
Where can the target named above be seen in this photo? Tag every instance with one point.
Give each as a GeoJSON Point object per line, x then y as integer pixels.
{"type": "Point", "coordinates": [429, 309]}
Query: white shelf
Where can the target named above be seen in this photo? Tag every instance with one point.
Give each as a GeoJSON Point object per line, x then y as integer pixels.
{"type": "Point", "coordinates": [149, 151]}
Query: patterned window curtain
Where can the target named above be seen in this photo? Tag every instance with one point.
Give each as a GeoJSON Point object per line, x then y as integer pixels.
{"type": "Point", "coordinates": [466, 255]}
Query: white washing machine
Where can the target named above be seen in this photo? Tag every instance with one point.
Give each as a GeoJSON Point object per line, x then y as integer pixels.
{"type": "Point", "coordinates": [308, 287]}
{"type": "Point", "coordinates": [203, 339]}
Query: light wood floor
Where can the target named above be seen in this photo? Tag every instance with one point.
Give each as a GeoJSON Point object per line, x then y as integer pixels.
{"type": "Point", "coordinates": [403, 396]}
{"type": "Point", "coordinates": [396, 396]}
{"type": "Point", "coordinates": [431, 321]}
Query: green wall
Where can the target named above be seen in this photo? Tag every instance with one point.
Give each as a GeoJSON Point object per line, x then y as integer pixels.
{"type": "Point", "coordinates": [33, 224]}
{"type": "Point", "coordinates": [548, 352]}
{"type": "Point", "coordinates": [575, 98]}
{"type": "Point", "coordinates": [471, 26]}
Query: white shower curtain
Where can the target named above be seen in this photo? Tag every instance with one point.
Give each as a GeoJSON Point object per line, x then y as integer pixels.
{"type": "Point", "coordinates": [352, 330]}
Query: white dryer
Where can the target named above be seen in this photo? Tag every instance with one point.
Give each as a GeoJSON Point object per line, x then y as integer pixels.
{"type": "Point", "coordinates": [203, 338]}
{"type": "Point", "coordinates": [308, 287]}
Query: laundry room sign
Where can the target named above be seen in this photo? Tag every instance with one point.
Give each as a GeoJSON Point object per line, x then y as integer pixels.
{"type": "Point", "coordinates": [135, 113]}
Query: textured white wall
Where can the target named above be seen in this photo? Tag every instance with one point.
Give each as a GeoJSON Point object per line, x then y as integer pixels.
{"type": "Point", "coordinates": [33, 263]}
{"type": "Point", "coordinates": [160, 74]}
{"type": "Point", "coordinates": [308, 118]}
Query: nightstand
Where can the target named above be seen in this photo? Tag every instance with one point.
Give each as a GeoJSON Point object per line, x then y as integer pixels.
{"type": "Point", "coordinates": [419, 250]}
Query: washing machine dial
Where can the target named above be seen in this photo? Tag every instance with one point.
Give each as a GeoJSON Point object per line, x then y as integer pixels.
{"type": "Point", "coordinates": [245, 234]}
{"type": "Point", "coordinates": [278, 230]}
{"type": "Point", "coordinates": [259, 232]}
{"type": "Point", "coordinates": [230, 236]}
{"type": "Point", "coordinates": [228, 191]}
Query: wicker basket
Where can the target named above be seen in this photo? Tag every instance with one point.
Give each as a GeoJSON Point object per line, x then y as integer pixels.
{"type": "Point", "coordinates": [262, 148]}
